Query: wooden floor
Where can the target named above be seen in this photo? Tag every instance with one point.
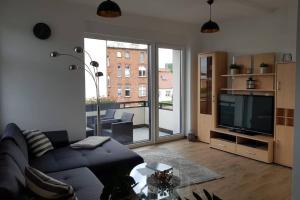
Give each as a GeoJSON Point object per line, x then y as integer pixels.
{"type": "Point", "coordinates": [243, 178]}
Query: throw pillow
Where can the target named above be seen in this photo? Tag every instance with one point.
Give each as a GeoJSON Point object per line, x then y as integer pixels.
{"type": "Point", "coordinates": [46, 187]}
{"type": "Point", "coordinates": [38, 142]}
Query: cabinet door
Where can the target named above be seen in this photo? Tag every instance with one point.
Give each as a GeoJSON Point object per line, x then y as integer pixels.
{"type": "Point", "coordinates": [286, 85]}
{"type": "Point", "coordinates": [205, 118]}
{"type": "Point", "coordinates": [284, 145]}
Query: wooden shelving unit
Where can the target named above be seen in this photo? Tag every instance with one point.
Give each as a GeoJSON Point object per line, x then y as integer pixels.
{"type": "Point", "coordinates": [258, 147]}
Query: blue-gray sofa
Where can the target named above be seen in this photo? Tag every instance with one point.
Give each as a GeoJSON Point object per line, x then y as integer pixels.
{"type": "Point", "coordinates": [88, 171]}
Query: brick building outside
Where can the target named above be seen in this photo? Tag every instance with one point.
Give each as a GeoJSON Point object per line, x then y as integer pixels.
{"type": "Point", "coordinates": [127, 74]}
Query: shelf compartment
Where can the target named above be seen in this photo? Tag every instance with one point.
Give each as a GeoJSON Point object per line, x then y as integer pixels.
{"type": "Point", "coordinates": [280, 112]}
{"type": "Point", "coordinates": [223, 145]}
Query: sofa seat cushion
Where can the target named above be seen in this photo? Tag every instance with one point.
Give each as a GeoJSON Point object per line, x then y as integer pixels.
{"type": "Point", "coordinates": [104, 161]}
{"type": "Point", "coordinates": [85, 184]}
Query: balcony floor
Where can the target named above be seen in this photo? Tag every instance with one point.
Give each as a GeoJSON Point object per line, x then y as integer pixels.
{"type": "Point", "coordinates": [142, 134]}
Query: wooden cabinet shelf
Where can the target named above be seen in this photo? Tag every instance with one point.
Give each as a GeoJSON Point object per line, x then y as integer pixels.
{"type": "Point", "coordinates": [248, 90]}
{"type": "Point", "coordinates": [247, 75]}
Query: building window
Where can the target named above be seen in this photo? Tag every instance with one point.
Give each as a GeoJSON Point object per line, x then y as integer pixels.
{"type": "Point", "coordinates": [142, 91]}
{"type": "Point", "coordinates": [127, 91]}
{"type": "Point", "coordinates": [127, 54]}
{"type": "Point", "coordinates": [107, 61]}
{"type": "Point", "coordinates": [142, 57]}
{"type": "Point", "coordinates": [119, 71]}
{"type": "Point", "coordinates": [108, 81]}
{"type": "Point", "coordinates": [119, 54]}
{"type": "Point", "coordinates": [127, 71]}
{"type": "Point", "coordinates": [168, 93]}
{"type": "Point", "coordinates": [119, 91]}
{"type": "Point", "coordinates": [142, 71]}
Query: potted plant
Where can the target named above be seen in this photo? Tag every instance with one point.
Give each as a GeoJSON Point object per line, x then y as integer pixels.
{"type": "Point", "coordinates": [264, 68]}
{"type": "Point", "coordinates": [234, 69]}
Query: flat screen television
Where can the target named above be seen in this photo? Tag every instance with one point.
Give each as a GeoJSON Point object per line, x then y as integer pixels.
{"type": "Point", "coordinates": [247, 113]}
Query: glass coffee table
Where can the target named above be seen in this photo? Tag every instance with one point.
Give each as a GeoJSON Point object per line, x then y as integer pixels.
{"type": "Point", "coordinates": [147, 188]}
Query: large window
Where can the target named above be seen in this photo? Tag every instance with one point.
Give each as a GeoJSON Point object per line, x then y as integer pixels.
{"type": "Point", "coordinates": [142, 91]}
{"type": "Point", "coordinates": [127, 91]}
{"type": "Point", "coordinates": [142, 71]}
{"type": "Point", "coordinates": [119, 70]}
{"type": "Point", "coordinates": [127, 70]}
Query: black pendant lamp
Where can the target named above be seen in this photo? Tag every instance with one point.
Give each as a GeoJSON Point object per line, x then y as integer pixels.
{"type": "Point", "coordinates": [109, 8]}
{"type": "Point", "coordinates": [210, 26]}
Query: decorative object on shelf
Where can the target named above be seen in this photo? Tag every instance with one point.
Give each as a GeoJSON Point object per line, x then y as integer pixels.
{"type": "Point", "coordinates": [210, 26]}
{"type": "Point", "coordinates": [234, 69]}
{"type": "Point", "coordinates": [287, 57]}
{"type": "Point", "coordinates": [207, 195]}
{"type": "Point", "coordinates": [42, 31]}
{"type": "Point", "coordinates": [264, 68]}
{"type": "Point", "coordinates": [192, 137]}
{"type": "Point", "coordinates": [92, 70]}
{"type": "Point", "coordinates": [250, 83]}
{"type": "Point", "coordinates": [109, 8]}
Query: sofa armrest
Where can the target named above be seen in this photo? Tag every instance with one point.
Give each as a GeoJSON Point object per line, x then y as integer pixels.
{"type": "Point", "coordinates": [58, 138]}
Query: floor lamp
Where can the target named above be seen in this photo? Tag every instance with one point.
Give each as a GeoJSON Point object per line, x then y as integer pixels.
{"type": "Point", "coordinates": [92, 70]}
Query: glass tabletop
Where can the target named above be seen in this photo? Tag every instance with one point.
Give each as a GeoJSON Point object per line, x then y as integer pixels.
{"type": "Point", "coordinates": [146, 190]}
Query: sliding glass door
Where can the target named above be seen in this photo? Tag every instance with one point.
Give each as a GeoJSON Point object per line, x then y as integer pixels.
{"type": "Point", "coordinates": [169, 75]}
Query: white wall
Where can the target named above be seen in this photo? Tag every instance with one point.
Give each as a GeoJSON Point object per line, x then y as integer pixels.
{"type": "Point", "coordinates": [39, 92]}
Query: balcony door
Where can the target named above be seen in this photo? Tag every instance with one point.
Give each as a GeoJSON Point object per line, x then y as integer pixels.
{"type": "Point", "coordinates": [169, 98]}
{"type": "Point", "coordinates": [124, 90]}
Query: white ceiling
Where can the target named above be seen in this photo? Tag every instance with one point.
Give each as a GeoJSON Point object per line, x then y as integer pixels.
{"type": "Point", "coordinates": [194, 11]}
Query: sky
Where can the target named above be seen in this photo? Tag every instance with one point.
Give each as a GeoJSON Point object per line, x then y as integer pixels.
{"type": "Point", "coordinates": [97, 49]}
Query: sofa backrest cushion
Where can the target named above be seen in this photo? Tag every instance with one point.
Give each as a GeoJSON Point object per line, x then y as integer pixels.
{"type": "Point", "coordinates": [13, 132]}
{"type": "Point", "coordinates": [8, 147]}
{"type": "Point", "coordinates": [127, 117]}
{"type": "Point", "coordinates": [12, 181]}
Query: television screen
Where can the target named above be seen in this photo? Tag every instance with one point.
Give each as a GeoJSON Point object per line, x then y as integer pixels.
{"type": "Point", "coordinates": [248, 113]}
{"type": "Point", "coordinates": [231, 111]}
{"type": "Point", "coordinates": [259, 112]}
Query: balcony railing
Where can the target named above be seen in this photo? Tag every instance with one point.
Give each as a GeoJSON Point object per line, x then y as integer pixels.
{"type": "Point", "coordinates": [123, 105]}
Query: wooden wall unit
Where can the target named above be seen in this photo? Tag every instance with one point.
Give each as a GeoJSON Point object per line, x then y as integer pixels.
{"type": "Point", "coordinates": [284, 113]}
{"type": "Point", "coordinates": [279, 81]}
{"type": "Point", "coordinates": [210, 68]}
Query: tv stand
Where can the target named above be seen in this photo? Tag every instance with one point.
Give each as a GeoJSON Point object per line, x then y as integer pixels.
{"type": "Point", "coordinates": [257, 147]}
